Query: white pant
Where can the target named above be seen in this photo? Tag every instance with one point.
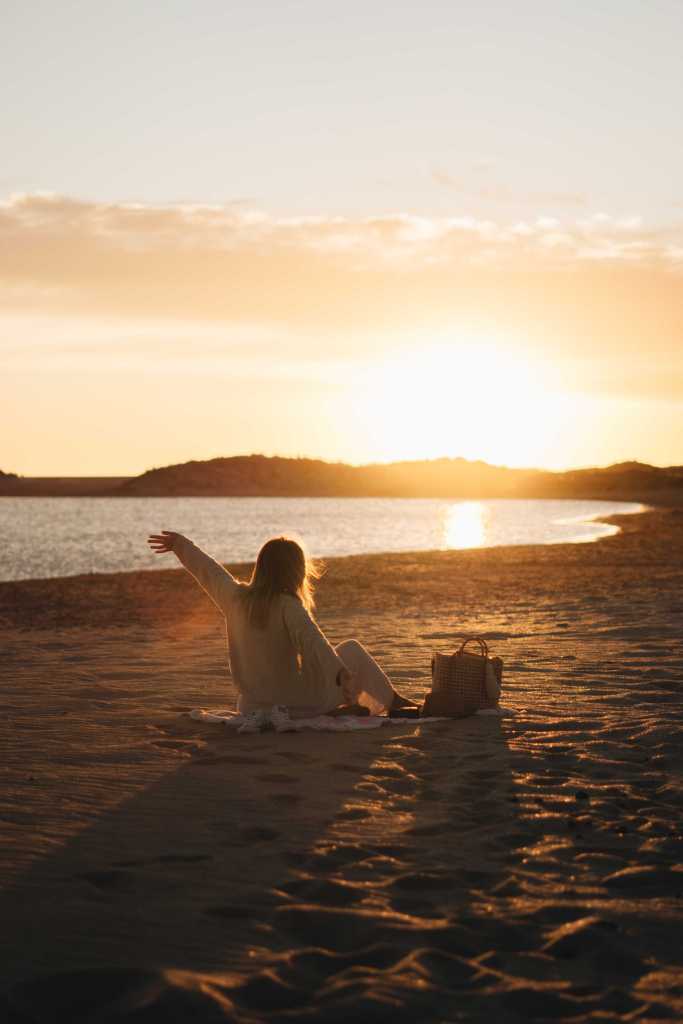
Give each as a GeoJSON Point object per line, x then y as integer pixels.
{"type": "Point", "coordinates": [369, 686]}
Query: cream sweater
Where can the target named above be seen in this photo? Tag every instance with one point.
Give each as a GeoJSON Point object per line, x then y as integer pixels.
{"type": "Point", "coordinates": [289, 662]}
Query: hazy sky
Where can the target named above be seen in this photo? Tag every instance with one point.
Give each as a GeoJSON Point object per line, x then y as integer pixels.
{"type": "Point", "coordinates": [357, 231]}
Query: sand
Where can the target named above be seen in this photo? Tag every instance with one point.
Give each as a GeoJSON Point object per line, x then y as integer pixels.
{"type": "Point", "coordinates": [489, 869]}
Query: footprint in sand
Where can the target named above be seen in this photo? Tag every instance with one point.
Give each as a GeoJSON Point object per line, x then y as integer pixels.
{"type": "Point", "coordinates": [646, 879]}
{"type": "Point", "coordinates": [354, 814]}
{"type": "Point", "coordinates": [187, 745]}
{"type": "Point", "coordinates": [321, 964]}
{"type": "Point", "coordinates": [165, 858]}
{"type": "Point", "coordinates": [340, 855]}
{"type": "Point", "coordinates": [227, 759]}
{"type": "Point", "coordinates": [232, 912]}
{"type": "Point", "coordinates": [110, 880]}
{"type": "Point", "coordinates": [266, 991]}
{"type": "Point", "coordinates": [414, 906]}
{"type": "Point", "coordinates": [136, 993]}
{"type": "Point", "coordinates": [295, 756]}
{"type": "Point", "coordinates": [392, 850]}
{"type": "Point", "coordinates": [393, 784]}
{"type": "Point", "coordinates": [183, 858]}
{"type": "Point", "coordinates": [420, 881]}
{"type": "Point", "coordinates": [325, 891]}
{"type": "Point", "coordinates": [259, 834]}
{"type": "Point", "coordinates": [339, 929]}
{"type": "Point", "coordinates": [295, 858]}
{"type": "Point", "coordinates": [436, 829]}
{"type": "Point", "coordinates": [346, 929]}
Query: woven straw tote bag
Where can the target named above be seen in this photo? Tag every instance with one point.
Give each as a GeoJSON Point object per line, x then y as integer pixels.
{"type": "Point", "coordinates": [459, 681]}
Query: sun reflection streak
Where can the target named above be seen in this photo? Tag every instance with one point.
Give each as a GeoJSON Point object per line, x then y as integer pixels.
{"type": "Point", "coordinates": [465, 525]}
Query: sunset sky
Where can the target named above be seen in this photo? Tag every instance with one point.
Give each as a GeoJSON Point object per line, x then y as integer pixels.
{"type": "Point", "coordinates": [351, 231]}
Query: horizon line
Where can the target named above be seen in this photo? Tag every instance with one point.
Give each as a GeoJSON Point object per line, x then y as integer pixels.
{"type": "Point", "coordinates": [337, 462]}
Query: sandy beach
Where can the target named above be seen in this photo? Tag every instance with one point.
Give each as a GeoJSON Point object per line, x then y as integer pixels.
{"type": "Point", "coordinates": [527, 867]}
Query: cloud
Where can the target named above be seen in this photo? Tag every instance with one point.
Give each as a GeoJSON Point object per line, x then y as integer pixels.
{"type": "Point", "coordinates": [231, 281]}
{"type": "Point", "coordinates": [48, 221]}
{"type": "Point", "coordinates": [233, 261]}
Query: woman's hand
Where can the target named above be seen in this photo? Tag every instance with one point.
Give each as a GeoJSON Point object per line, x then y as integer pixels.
{"type": "Point", "coordinates": [163, 542]}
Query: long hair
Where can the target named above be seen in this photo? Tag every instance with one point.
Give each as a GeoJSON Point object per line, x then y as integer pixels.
{"type": "Point", "coordinates": [282, 567]}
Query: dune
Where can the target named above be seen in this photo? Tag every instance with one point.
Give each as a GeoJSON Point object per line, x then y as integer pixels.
{"type": "Point", "coordinates": [528, 867]}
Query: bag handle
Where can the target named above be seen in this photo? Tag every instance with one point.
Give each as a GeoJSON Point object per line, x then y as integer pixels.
{"type": "Point", "coordinates": [475, 640]}
{"type": "Point", "coordinates": [461, 650]}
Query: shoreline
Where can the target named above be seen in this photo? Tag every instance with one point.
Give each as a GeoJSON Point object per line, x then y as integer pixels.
{"type": "Point", "coordinates": [606, 520]}
{"type": "Point", "coordinates": [513, 869]}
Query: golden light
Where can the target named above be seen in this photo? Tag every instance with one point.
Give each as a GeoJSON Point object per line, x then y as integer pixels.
{"type": "Point", "coordinates": [465, 525]}
{"type": "Point", "coordinates": [475, 398]}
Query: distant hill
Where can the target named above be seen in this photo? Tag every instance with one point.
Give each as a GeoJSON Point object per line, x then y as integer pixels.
{"type": "Point", "coordinates": [251, 475]}
{"type": "Point", "coordinates": [260, 475]}
{"type": "Point", "coordinates": [274, 476]}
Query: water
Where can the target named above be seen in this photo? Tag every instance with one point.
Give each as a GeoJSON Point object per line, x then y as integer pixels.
{"type": "Point", "coordinates": [47, 537]}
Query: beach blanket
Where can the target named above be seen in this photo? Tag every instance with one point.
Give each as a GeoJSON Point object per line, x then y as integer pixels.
{"type": "Point", "coordinates": [327, 723]}
{"type": "Point", "coordinates": [320, 723]}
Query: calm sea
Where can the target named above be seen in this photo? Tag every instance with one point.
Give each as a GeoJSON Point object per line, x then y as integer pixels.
{"type": "Point", "coordinates": [46, 537]}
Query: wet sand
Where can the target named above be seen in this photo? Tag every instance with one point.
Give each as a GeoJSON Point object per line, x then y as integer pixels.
{"type": "Point", "coordinates": [522, 868]}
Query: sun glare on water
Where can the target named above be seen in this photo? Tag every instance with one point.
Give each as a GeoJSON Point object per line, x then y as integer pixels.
{"type": "Point", "coordinates": [465, 525]}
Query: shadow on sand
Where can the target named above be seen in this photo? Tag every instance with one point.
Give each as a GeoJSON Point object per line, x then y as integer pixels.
{"type": "Point", "coordinates": [296, 877]}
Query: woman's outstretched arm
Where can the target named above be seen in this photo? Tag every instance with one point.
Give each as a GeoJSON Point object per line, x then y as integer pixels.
{"type": "Point", "coordinates": [210, 574]}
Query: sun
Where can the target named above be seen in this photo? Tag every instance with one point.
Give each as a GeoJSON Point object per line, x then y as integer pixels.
{"type": "Point", "coordinates": [475, 397]}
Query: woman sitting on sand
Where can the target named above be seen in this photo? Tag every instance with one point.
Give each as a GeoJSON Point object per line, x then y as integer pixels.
{"type": "Point", "coordinates": [278, 655]}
